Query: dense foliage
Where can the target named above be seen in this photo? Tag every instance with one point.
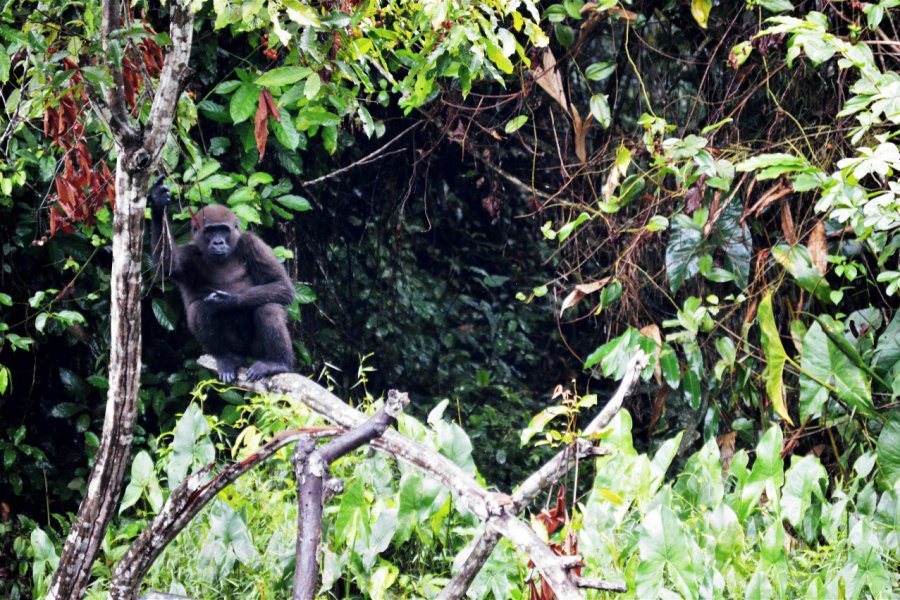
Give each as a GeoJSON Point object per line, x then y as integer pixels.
{"type": "Point", "coordinates": [493, 203]}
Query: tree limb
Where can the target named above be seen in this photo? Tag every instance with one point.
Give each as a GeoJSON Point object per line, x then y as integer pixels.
{"type": "Point", "coordinates": [185, 503]}
{"type": "Point", "coordinates": [463, 486]}
{"type": "Point", "coordinates": [551, 472]}
{"type": "Point", "coordinates": [311, 467]}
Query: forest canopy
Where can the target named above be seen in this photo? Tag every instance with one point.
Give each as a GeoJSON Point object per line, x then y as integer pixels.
{"type": "Point", "coordinates": [494, 207]}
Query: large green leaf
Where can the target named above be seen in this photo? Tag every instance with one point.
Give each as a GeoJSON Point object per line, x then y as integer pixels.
{"type": "Point", "coordinates": [888, 449]}
{"type": "Point", "coordinates": [682, 260]}
{"type": "Point", "coordinates": [665, 549]}
{"type": "Point", "coordinates": [768, 467]}
{"type": "Point", "coordinates": [283, 76]}
{"type": "Point", "coordinates": [887, 352]}
{"type": "Point", "coordinates": [802, 480]}
{"type": "Point", "coordinates": [243, 102]}
{"type": "Point", "coordinates": [798, 262]}
{"type": "Point", "coordinates": [775, 357]}
{"type": "Point", "coordinates": [823, 366]}
{"type": "Point", "coordinates": [190, 447]}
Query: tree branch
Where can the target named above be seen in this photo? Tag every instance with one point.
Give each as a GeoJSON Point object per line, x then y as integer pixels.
{"type": "Point", "coordinates": [311, 466]}
{"type": "Point", "coordinates": [185, 503]}
{"type": "Point", "coordinates": [550, 473]}
{"type": "Point", "coordinates": [120, 124]}
{"type": "Point", "coordinates": [465, 489]}
{"type": "Point", "coordinates": [171, 80]}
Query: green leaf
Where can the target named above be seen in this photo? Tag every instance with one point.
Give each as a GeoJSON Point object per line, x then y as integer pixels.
{"type": "Point", "coordinates": [285, 132]}
{"type": "Point", "coordinates": [310, 117]}
{"type": "Point", "coordinates": [668, 363]}
{"type": "Point", "coordinates": [191, 446]}
{"type": "Point", "coordinates": [798, 262]}
{"type": "Point", "coordinates": [775, 357]}
{"type": "Point", "coordinates": [691, 387]}
{"type": "Point", "coordinates": [665, 548]}
{"type": "Point", "coordinates": [600, 71]}
{"type": "Point", "coordinates": [700, 11]}
{"type": "Point", "coordinates": [305, 294]}
{"type": "Point", "coordinates": [243, 103]}
{"type": "Point", "coordinates": [65, 410]}
{"type": "Point", "coordinates": [685, 241]}
{"type": "Point", "coordinates": [515, 123]}
{"type": "Point", "coordinates": [227, 87]}
{"type": "Point", "coordinates": [801, 481]}
{"type": "Point", "coordinates": [613, 356]}
{"type": "Point", "coordinates": [887, 352]}
{"type": "Point", "coordinates": [566, 230]}
{"type": "Point", "coordinates": [165, 314]}
{"type": "Point", "coordinates": [776, 5]}
{"type": "Point", "coordinates": [312, 87]}
{"type": "Point", "coordinates": [774, 165]}
{"type": "Point", "coordinates": [600, 110]}
{"type": "Point", "coordinates": [824, 364]}
{"type": "Point", "coordinates": [768, 467]}
{"type": "Point", "coordinates": [888, 450]}
{"type": "Point", "coordinates": [564, 34]}
{"type": "Point", "coordinates": [539, 421]}
{"type": "Point", "coordinates": [247, 213]}
{"type": "Point", "coordinates": [498, 58]}
{"type": "Point", "coordinates": [297, 203]}
{"type": "Point", "coordinates": [282, 76]}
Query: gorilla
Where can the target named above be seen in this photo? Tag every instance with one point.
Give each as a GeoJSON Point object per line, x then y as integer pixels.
{"type": "Point", "coordinates": [233, 288]}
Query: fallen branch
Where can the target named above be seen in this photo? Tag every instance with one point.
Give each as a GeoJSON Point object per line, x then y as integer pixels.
{"type": "Point", "coordinates": [311, 466]}
{"type": "Point", "coordinates": [185, 503]}
{"type": "Point", "coordinates": [491, 508]}
{"type": "Point", "coordinates": [548, 474]}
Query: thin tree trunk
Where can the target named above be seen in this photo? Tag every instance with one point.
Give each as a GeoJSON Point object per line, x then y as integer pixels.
{"type": "Point", "coordinates": [105, 484]}
{"type": "Point", "coordinates": [139, 153]}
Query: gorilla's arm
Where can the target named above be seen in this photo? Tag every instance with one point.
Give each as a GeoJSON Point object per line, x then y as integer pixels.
{"type": "Point", "coordinates": [271, 281]}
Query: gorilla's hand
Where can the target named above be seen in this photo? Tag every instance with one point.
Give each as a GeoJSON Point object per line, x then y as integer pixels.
{"type": "Point", "coordinates": [159, 196]}
{"type": "Point", "coordinates": [222, 300]}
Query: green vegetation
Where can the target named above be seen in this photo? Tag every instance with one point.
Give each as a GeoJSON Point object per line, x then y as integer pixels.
{"type": "Point", "coordinates": [491, 205]}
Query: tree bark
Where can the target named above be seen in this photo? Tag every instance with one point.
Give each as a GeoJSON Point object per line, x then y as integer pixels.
{"type": "Point", "coordinates": [552, 471]}
{"type": "Point", "coordinates": [135, 162]}
{"type": "Point", "coordinates": [493, 508]}
{"type": "Point", "coordinates": [104, 486]}
{"type": "Point", "coordinates": [311, 466]}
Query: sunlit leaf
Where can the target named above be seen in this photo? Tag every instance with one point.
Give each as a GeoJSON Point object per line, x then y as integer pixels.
{"type": "Point", "coordinates": [775, 356]}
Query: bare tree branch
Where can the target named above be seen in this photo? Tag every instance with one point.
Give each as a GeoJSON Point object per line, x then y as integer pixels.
{"type": "Point", "coordinates": [185, 503]}
{"type": "Point", "coordinates": [551, 472]}
{"type": "Point", "coordinates": [492, 508]}
{"type": "Point", "coordinates": [119, 122]}
{"type": "Point", "coordinates": [311, 466]}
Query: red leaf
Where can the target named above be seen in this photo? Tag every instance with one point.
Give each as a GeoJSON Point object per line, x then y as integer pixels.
{"type": "Point", "coordinates": [270, 105]}
{"type": "Point", "coordinates": [261, 125]}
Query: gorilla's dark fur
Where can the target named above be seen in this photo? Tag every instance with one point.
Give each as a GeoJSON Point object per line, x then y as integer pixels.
{"type": "Point", "coordinates": [232, 286]}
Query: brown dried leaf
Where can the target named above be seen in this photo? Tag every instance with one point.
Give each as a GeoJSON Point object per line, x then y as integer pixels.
{"type": "Point", "coordinates": [261, 126]}
{"type": "Point", "coordinates": [581, 290]}
{"type": "Point", "coordinates": [787, 224]}
{"type": "Point", "coordinates": [580, 128]}
{"type": "Point", "coordinates": [652, 331]}
{"type": "Point", "coordinates": [818, 247]}
{"type": "Point", "coordinates": [726, 443]}
{"type": "Point", "coordinates": [548, 78]}
{"type": "Point", "coordinates": [270, 105]}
